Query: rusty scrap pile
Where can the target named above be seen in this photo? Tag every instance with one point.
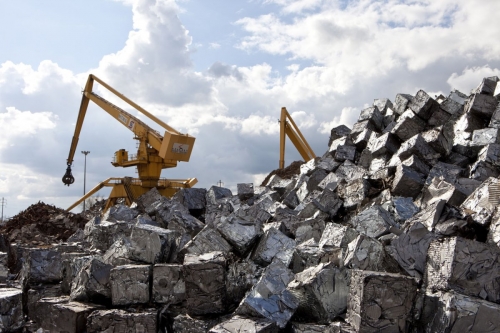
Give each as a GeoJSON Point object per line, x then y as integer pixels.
{"type": "Point", "coordinates": [396, 228]}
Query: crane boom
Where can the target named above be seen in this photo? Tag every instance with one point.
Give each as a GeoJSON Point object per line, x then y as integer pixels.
{"type": "Point", "coordinates": [288, 128]}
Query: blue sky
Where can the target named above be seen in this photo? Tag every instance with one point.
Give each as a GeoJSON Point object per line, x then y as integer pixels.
{"type": "Point", "coordinates": [221, 71]}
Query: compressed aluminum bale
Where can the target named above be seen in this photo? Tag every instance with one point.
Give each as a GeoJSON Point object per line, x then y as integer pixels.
{"type": "Point", "coordinates": [146, 219]}
{"type": "Point", "coordinates": [408, 125]}
{"type": "Point", "coordinates": [350, 171]}
{"type": "Point", "coordinates": [487, 86]}
{"type": "Point", "coordinates": [315, 178]}
{"type": "Point", "coordinates": [453, 312]}
{"type": "Point", "coordinates": [423, 105]}
{"type": "Point", "coordinates": [407, 182]}
{"type": "Point", "coordinates": [168, 286]}
{"type": "Point", "coordinates": [345, 152]}
{"type": "Point", "coordinates": [119, 253]}
{"type": "Point", "coordinates": [36, 293]}
{"type": "Point", "coordinates": [366, 253]}
{"type": "Point", "coordinates": [439, 116]}
{"type": "Point", "coordinates": [91, 283]}
{"type": "Point", "coordinates": [4, 269]}
{"type": "Point", "coordinates": [11, 309]}
{"type": "Point", "coordinates": [402, 208]}
{"type": "Point", "coordinates": [101, 234]}
{"type": "Point", "coordinates": [410, 248]}
{"type": "Point", "coordinates": [338, 132]}
{"type": "Point", "coordinates": [309, 254]}
{"type": "Point", "coordinates": [327, 163]}
{"type": "Point", "coordinates": [205, 280]}
{"type": "Point", "coordinates": [372, 114]}
{"type": "Point", "coordinates": [485, 136]}
{"type": "Point", "coordinates": [273, 244]}
{"type": "Point", "coordinates": [308, 167]}
{"type": "Point", "coordinates": [207, 240]}
{"type": "Point", "coordinates": [457, 159]}
{"type": "Point", "coordinates": [439, 140]}
{"type": "Point", "coordinates": [269, 297]}
{"type": "Point", "coordinates": [439, 189]}
{"type": "Point", "coordinates": [240, 231]}
{"type": "Point", "coordinates": [490, 154]}
{"type": "Point", "coordinates": [241, 276]}
{"type": "Point", "coordinates": [450, 173]}
{"type": "Point", "coordinates": [57, 315]}
{"type": "Point", "coordinates": [466, 266]}
{"type": "Point", "coordinates": [383, 104]}
{"type": "Point", "coordinates": [119, 213]}
{"type": "Point", "coordinates": [362, 139]}
{"type": "Point", "coordinates": [72, 263]}
{"type": "Point", "coordinates": [322, 293]}
{"type": "Point", "coordinates": [374, 222]}
{"type": "Point", "coordinates": [239, 324]}
{"type": "Point", "coordinates": [481, 105]}
{"type": "Point", "coordinates": [216, 193]}
{"type": "Point", "coordinates": [146, 200]}
{"type": "Point", "coordinates": [291, 200]}
{"type": "Point", "coordinates": [417, 145]}
{"type": "Point", "coordinates": [458, 97]}
{"type": "Point", "coordinates": [494, 230]}
{"type": "Point", "coordinates": [386, 143]}
{"type": "Point", "coordinates": [429, 216]}
{"type": "Point", "coordinates": [481, 171]}
{"type": "Point", "coordinates": [469, 122]}
{"type": "Point", "coordinates": [495, 118]}
{"type": "Point", "coordinates": [152, 244]}
{"type": "Point", "coordinates": [482, 202]}
{"type": "Point", "coordinates": [450, 227]}
{"type": "Point", "coordinates": [346, 140]}
{"type": "Point", "coordinates": [122, 321]}
{"type": "Point", "coordinates": [245, 191]}
{"type": "Point", "coordinates": [42, 266]}
{"type": "Point", "coordinates": [174, 215]}
{"type": "Point", "coordinates": [337, 236]}
{"type": "Point", "coordinates": [130, 284]}
{"type": "Point", "coordinates": [365, 158]}
{"type": "Point", "coordinates": [354, 192]}
{"type": "Point", "coordinates": [360, 126]}
{"type": "Point", "coordinates": [329, 182]}
{"type": "Point", "coordinates": [192, 198]}
{"type": "Point", "coordinates": [328, 202]}
{"type": "Point", "coordinates": [401, 103]}
{"type": "Point", "coordinates": [380, 302]}
{"type": "Point", "coordinates": [416, 164]}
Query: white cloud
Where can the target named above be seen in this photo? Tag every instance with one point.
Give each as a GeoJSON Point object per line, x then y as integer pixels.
{"type": "Point", "coordinates": [471, 77]}
{"type": "Point", "coordinates": [348, 117]}
{"type": "Point", "coordinates": [214, 45]}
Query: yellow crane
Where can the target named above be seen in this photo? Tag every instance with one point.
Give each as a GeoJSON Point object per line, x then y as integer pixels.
{"type": "Point", "coordinates": [288, 128]}
{"type": "Point", "coordinates": [155, 152]}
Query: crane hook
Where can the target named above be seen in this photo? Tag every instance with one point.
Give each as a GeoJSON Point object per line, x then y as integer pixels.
{"type": "Point", "coordinates": [68, 178]}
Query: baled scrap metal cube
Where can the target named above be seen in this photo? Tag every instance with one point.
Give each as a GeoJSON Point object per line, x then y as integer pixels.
{"type": "Point", "coordinates": [42, 266]}
{"type": "Point", "coordinates": [168, 284]}
{"type": "Point", "coordinates": [337, 236]}
{"type": "Point", "coordinates": [402, 208]}
{"type": "Point", "coordinates": [481, 105]}
{"type": "Point", "coordinates": [429, 216]}
{"type": "Point", "coordinates": [354, 192]}
{"type": "Point", "coordinates": [338, 132]}
{"type": "Point", "coordinates": [328, 163]}
{"type": "Point", "coordinates": [72, 263]}
{"type": "Point", "coordinates": [315, 178]}
{"type": "Point", "coordinates": [417, 145]}
{"type": "Point", "coordinates": [102, 234]}
{"type": "Point", "coordinates": [365, 158]}
{"type": "Point", "coordinates": [374, 222]}
{"type": "Point", "coordinates": [245, 191]}
{"type": "Point", "coordinates": [64, 316]}
{"type": "Point", "coordinates": [216, 193]}
{"type": "Point", "coordinates": [401, 103]}
{"type": "Point", "coordinates": [240, 231]}
{"type": "Point", "coordinates": [372, 114]}
{"type": "Point", "coordinates": [330, 182]}
{"type": "Point", "coordinates": [36, 293]}
{"type": "Point", "coordinates": [490, 154]}
{"type": "Point", "coordinates": [147, 199]}
{"type": "Point", "coordinates": [130, 284]}
{"type": "Point", "coordinates": [449, 172]}
{"type": "Point", "coordinates": [322, 293]}
{"type": "Point", "coordinates": [241, 276]}
{"type": "Point", "coordinates": [481, 171]}
{"type": "Point", "coordinates": [359, 127]}
{"type": "Point", "coordinates": [175, 216]}
{"type": "Point", "coordinates": [185, 323]}
{"type": "Point", "coordinates": [152, 244]}
{"type": "Point", "coordinates": [269, 297]}
{"type": "Point", "coordinates": [407, 182]}
{"type": "Point", "coordinates": [439, 189]}
{"type": "Point", "coordinates": [146, 219]}
{"type": "Point", "coordinates": [350, 171]}
{"type": "Point", "coordinates": [119, 253]}
{"type": "Point", "coordinates": [205, 280]}
{"type": "Point", "coordinates": [423, 105]}
{"type": "Point", "coordinates": [469, 122]}
{"type": "Point", "coordinates": [239, 324]}
{"type": "Point", "coordinates": [194, 199]}
{"type": "Point", "coordinates": [297, 327]}
{"type": "Point", "coordinates": [465, 266]}
{"type": "Point", "coordinates": [309, 254]}
{"type": "Point", "coordinates": [458, 97]}
{"type": "Point", "coordinates": [116, 320]}
{"type": "Point", "coordinates": [308, 167]}
{"type": "Point", "coordinates": [383, 104]}
{"type": "Point", "coordinates": [273, 244]}
{"type": "Point", "coordinates": [207, 240]}
{"type": "Point", "coordinates": [386, 143]}
{"type": "Point", "coordinates": [362, 139]}
{"type": "Point", "coordinates": [457, 159]}
{"type": "Point", "coordinates": [328, 202]}
{"type": "Point", "coordinates": [439, 140]}
{"type": "Point", "coordinates": [4, 269]}
{"type": "Point", "coordinates": [452, 107]}
{"type": "Point", "coordinates": [291, 200]}
{"type": "Point", "coordinates": [485, 136]}
{"type": "Point", "coordinates": [408, 125]}
{"type": "Point", "coordinates": [120, 212]}
{"type": "Point", "coordinates": [495, 118]}
{"type": "Point", "coordinates": [453, 312]}
{"type": "Point", "coordinates": [439, 117]}
{"type": "Point", "coordinates": [367, 253]}
{"type": "Point", "coordinates": [380, 302]}
{"type": "Point", "coordinates": [410, 248]}
{"type": "Point", "coordinates": [487, 86]}
{"type": "Point", "coordinates": [451, 227]}
{"type": "Point", "coordinates": [494, 230]}
{"type": "Point", "coordinates": [481, 204]}
{"type": "Point", "coordinates": [309, 228]}
{"type": "Point", "coordinates": [11, 309]}
{"type": "Point", "coordinates": [91, 283]}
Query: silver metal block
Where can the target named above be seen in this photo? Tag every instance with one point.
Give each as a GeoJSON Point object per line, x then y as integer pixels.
{"type": "Point", "coordinates": [401, 103]}
{"type": "Point", "coordinates": [309, 254]}
{"type": "Point", "coordinates": [119, 253]}
{"type": "Point", "coordinates": [145, 201]}
{"type": "Point", "coordinates": [481, 204]}
{"type": "Point", "coordinates": [374, 115]}
{"type": "Point", "coordinates": [130, 284]}
{"type": "Point", "coordinates": [407, 182]}
{"type": "Point", "coordinates": [102, 234]}
{"type": "Point", "coordinates": [384, 144]}
{"type": "Point", "coordinates": [168, 284]}
{"type": "Point", "coordinates": [91, 283]}
{"type": "Point", "coordinates": [481, 105]}
{"type": "Point", "coordinates": [374, 222]}
{"type": "Point", "coordinates": [350, 171]}
{"type": "Point", "coordinates": [273, 244]}
{"type": "Point", "coordinates": [269, 297]}
{"type": "Point", "coordinates": [354, 192]}
{"type": "Point", "coordinates": [485, 136]}
{"type": "Point", "coordinates": [72, 263]}
{"type": "Point", "coordinates": [345, 152]}
{"type": "Point", "coordinates": [241, 277]}
{"type": "Point", "coordinates": [152, 244]}
{"type": "Point", "coordinates": [120, 213]}
{"type": "Point", "coordinates": [338, 132]}
{"type": "Point", "coordinates": [240, 231]}
{"type": "Point", "coordinates": [245, 191]}
{"type": "Point", "coordinates": [380, 302]}
{"type": "Point", "coordinates": [490, 154]}
{"type": "Point", "coordinates": [322, 293]}
{"type": "Point", "coordinates": [205, 279]}
{"type": "Point", "coordinates": [465, 266]}
{"type": "Point", "coordinates": [337, 236]}
{"type": "Point", "coordinates": [207, 240]}
{"type": "Point", "coordinates": [408, 125]}
{"type": "Point", "coordinates": [238, 324]}
{"type": "Point", "coordinates": [192, 198]}
{"type": "Point", "coordinates": [122, 321]}
{"type": "Point", "coordinates": [366, 253]}
{"type": "Point", "coordinates": [42, 266]}
{"type": "Point", "coordinates": [11, 309]}
{"type": "Point", "coordinates": [487, 86]}
{"type": "Point", "coordinates": [423, 105]}
{"type": "Point", "coordinates": [417, 145]}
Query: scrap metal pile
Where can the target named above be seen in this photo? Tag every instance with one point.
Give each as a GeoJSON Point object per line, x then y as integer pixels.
{"type": "Point", "coordinates": [396, 228]}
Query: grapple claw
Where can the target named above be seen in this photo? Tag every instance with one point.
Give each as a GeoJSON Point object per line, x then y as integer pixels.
{"type": "Point", "coordinates": [68, 178]}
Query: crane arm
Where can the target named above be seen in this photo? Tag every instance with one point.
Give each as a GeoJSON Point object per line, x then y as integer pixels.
{"type": "Point", "coordinates": [288, 128]}
{"type": "Point", "coordinates": [173, 146]}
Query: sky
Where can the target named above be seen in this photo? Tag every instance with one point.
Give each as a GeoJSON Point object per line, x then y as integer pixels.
{"type": "Point", "coordinates": [220, 71]}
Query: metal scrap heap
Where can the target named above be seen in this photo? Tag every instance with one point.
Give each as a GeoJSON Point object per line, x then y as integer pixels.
{"type": "Point", "coordinates": [396, 228]}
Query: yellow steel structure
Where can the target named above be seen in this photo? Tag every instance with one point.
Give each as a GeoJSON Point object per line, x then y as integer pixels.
{"type": "Point", "coordinates": [155, 152]}
{"type": "Point", "coordinates": [288, 128]}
